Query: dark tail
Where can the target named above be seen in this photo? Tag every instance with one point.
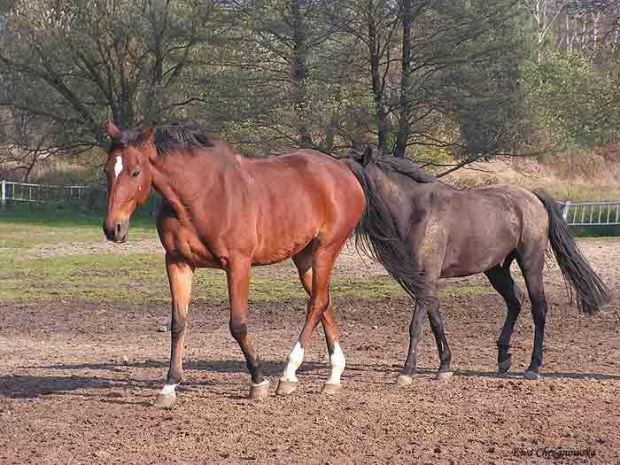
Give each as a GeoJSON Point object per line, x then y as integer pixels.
{"type": "Point", "coordinates": [591, 292]}
{"type": "Point", "coordinates": [377, 236]}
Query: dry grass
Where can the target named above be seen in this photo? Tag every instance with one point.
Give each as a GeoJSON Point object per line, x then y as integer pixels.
{"type": "Point", "coordinates": [576, 175]}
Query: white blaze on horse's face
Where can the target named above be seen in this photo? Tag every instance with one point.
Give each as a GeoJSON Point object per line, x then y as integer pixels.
{"type": "Point", "coordinates": [118, 167]}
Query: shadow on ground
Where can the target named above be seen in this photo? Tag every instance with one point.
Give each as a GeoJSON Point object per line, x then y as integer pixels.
{"type": "Point", "coordinates": [30, 386]}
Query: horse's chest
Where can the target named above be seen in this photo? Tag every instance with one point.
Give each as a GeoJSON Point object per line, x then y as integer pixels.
{"type": "Point", "coordinates": [187, 246]}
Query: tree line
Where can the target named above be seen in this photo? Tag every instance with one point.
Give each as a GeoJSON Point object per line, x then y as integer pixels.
{"type": "Point", "coordinates": [445, 82]}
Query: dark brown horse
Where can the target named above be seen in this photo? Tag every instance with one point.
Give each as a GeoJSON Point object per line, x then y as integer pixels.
{"type": "Point", "coordinates": [450, 233]}
{"type": "Point", "coordinates": [222, 210]}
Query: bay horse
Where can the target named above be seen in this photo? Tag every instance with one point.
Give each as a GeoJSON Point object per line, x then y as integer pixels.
{"type": "Point", "coordinates": [455, 233]}
{"type": "Point", "coordinates": [223, 210]}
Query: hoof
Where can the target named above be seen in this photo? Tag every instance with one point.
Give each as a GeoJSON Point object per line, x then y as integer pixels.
{"type": "Point", "coordinates": [504, 366]}
{"type": "Point", "coordinates": [164, 401]}
{"type": "Point", "coordinates": [444, 376]}
{"type": "Point", "coordinates": [259, 391]}
{"type": "Point", "coordinates": [531, 375]}
{"type": "Point", "coordinates": [403, 380]}
{"type": "Point", "coordinates": [331, 389]}
{"type": "Point", "coordinates": [286, 387]}
{"type": "Point", "coordinates": [503, 374]}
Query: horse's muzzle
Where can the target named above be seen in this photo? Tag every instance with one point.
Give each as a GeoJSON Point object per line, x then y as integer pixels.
{"type": "Point", "coordinates": [117, 232]}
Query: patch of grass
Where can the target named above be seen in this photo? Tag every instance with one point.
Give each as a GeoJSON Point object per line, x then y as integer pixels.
{"type": "Point", "coordinates": [142, 278]}
{"type": "Point", "coordinates": [596, 232]}
{"type": "Point", "coordinates": [24, 230]}
{"type": "Point", "coordinates": [139, 278]}
{"type": "Point", "coordinates": [583, 192]}
{"type": "Point", "coordinates": [458, 291]}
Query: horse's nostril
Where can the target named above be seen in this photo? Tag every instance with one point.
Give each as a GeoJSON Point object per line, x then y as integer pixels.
{"type": "Point", "coordinates": [118, 228]}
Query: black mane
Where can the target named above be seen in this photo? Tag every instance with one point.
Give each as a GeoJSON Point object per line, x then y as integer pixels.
{"type": "Point", "coordinates": [406, 167]}
{"type": "Point", "coordinates": [402, 165]}
{"type": "Point", "coordinates": [169, 138]}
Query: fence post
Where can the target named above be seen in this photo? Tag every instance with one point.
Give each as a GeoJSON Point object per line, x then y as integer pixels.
{"type": "Point", "coordinates": [3, 193]}
{"type": "Point", "coordinates": [565, 211]}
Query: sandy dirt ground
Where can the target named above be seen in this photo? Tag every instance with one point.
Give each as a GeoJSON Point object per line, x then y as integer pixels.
{"type": "Point", "coordinates": [77, 380]}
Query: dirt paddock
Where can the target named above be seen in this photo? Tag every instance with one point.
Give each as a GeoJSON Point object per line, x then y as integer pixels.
{"type": "Point", "coordinates": [77, 379]}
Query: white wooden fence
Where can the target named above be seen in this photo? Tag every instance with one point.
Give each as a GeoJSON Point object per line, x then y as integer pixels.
{"type": "Point", "coordinates": [27, 192]}
{"type": "Point", "coordinates": [575, 214]}
{"type": "Point", "coordinates": [591, 213]}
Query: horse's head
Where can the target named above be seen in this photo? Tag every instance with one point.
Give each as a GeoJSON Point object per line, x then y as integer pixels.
{"type": "Point", "coordinates": [365, 153]}
{"type": "Point", "coordinates": [129, 176]}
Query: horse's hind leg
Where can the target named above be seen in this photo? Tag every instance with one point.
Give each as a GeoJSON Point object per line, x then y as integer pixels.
{"type": "Point", "coordinates": [322, 263]}
{"type": "Point", "coordinates": [532, 263]}
{"type": "Point", "coordinates": [503, 283]}
{"type": "Point", "coordinates": [180, 277]}
{"type": "Point", "coordinates": [303, 262]}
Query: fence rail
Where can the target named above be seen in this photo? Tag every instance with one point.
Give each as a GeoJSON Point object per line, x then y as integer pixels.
{"type": "Point", "coordinates": [591, 213]}
{"type": "Point", "coordinates": [28, 192]}
{"type": "Point", "coordinates": [83, 198]}
{"type": "Point", "coordinates": [575, 214]}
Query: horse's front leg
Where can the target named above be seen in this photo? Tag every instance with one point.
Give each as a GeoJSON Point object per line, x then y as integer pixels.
{"type": "Point", "coordinates": [429, 305]}
{"type": "Point", "coordinates": [238, 275]}
{"type": "Point", "coordinates": [180, 276]}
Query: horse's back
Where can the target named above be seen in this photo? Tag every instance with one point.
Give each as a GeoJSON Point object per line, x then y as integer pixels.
{"type": "Point", "coordinates": [303, 162]}
{"type": "Point", "coordinates": [522, 205]}
{"type": "Point", "coordinates": [318, 179]}
{"type": "Point", "coordinates": [486, 224]}
{"type": "Point", "coordinates": [299, 197]}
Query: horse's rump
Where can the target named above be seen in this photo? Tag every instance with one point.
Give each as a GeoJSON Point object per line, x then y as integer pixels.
{"type": "Point", "coordinates": [499, 205]}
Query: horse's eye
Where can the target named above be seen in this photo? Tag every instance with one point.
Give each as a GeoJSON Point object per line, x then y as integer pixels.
{"type": "Point", "coordinates": [135, 173]}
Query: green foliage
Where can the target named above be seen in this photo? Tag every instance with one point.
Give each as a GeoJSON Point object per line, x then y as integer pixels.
{"type": "Point", "coordinates": [83, 62]}
{"type": "Point", "coordinates": [570, 102]}
{"type": "Point", "coordinates": [273, 75]}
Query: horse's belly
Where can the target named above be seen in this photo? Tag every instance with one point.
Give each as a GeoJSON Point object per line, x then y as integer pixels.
{"type": "Point", "coordinates": [287, 227]}
{"type": "Point", "coordinates": [473, 264]}
{"type": "Point", "coordinates": [477, 253]}
{"type": "Point", "coordinates": [278, 248]}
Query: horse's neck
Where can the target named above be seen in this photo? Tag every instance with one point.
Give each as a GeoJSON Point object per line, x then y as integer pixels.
{"type": "Point", "coordinates": [404, 193]}
{"type": "Point", "coordinates": [185, 181]}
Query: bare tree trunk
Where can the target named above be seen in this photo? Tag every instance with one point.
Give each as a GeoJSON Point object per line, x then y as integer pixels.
{"type": "Point", "coordinates": [300, 74]}
{"type": "Point", "coordinates": [330, 133]}
{"type": "Point", "coordinates": [33, 162]}
{"type": "Point", "coordinates": [541, 17]}
{"type": "Point", "coordinates": [405, 103]}
{"type": "Point", "coordinates": [595, 31]}
{"type": "Point", "coordinates": [374, 45]}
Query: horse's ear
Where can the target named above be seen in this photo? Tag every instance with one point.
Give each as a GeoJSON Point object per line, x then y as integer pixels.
{"type": "Point", "coordinates": [148, 135]}
{"type": "Point", "coordinates": [369, 155]}
{"type": "Point", "coordinates": [111, 130]}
